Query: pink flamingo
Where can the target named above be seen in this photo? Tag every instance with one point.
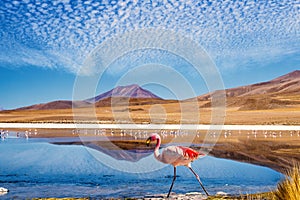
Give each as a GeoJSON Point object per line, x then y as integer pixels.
{"type": "Point", "coordinates": [176, 156]}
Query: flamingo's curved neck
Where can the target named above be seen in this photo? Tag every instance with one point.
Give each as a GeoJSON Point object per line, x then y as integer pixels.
{"type": "Point", "coordinates": [156, 150]}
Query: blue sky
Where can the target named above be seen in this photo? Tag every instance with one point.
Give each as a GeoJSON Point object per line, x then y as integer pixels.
{"type": "Point", "coordinates": [44, 44]}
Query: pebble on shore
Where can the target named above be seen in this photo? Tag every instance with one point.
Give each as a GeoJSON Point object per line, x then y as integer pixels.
{"type": "Point", "coordinates": [3, 191]}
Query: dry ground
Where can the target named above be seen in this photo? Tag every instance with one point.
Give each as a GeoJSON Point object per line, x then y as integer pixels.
{"type": "Point", "coordinates": [171, 113]}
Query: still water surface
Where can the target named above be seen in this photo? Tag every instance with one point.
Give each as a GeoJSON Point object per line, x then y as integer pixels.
{"type": "Point", "coordinates": [36, 168]}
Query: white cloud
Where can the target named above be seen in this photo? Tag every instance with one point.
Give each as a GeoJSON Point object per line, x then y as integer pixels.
{"type": "Point", "coordinates": [75, 29]}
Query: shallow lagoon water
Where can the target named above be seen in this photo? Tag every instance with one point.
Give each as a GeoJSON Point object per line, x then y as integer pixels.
{"type": "Point", "coordinates": [35, 168]}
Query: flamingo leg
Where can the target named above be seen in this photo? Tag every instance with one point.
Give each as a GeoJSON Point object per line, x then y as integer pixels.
{"type": "Point", "coordinates": [174, 178]}
{"type": "Point", "coordinates": [198, 178]}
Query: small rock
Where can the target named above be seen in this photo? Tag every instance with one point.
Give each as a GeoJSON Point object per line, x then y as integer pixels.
{"type": "Point", "coordinates": [221, 194]}
{"type": "Point", "coordinates": [193, 193]}
{"type": "Point", "coordinates": [3, 191]}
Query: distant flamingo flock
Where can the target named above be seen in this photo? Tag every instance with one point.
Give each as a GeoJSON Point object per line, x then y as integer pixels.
{"type": "Point", "coordinates": [142, 134]}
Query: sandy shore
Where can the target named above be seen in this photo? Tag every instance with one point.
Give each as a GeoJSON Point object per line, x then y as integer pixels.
{"type": "Point", "coordinates": [187, 196]}
{"type": "Point", "coordinates": [147, 126]}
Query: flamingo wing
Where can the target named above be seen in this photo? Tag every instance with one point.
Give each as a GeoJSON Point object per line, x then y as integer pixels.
{"type": "Point", "coordinates": [189, 153]}
{"type": "Point", "coordinates": [178, 155]}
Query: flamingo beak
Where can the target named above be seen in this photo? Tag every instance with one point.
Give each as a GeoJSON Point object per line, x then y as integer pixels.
{"type": "Point", "coordinates": [148, 141]}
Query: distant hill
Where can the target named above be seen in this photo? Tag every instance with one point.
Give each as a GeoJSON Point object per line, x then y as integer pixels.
{"type": "Point", "coordinates": [276, 93]}
{"type": "Point", "coordinates": [286, 84]}
{"type": "Point", "coordinates": [280, 92]}
{"type": "Point", "coordinates": [121, 95]}
{"type": "Point", "coordinates": [55, 105]}
{"type": "Point", "coordinates": [132, 91]}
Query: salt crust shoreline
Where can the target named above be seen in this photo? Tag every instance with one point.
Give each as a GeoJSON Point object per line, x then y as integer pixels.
{"type": "Point", "coordinates": [147, 126]}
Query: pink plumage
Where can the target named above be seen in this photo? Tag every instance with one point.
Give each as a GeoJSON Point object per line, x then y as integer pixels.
{"type": "Point", "coordinates": [176, 156]}
{"type": "Point", "coordinates": [190, 153]}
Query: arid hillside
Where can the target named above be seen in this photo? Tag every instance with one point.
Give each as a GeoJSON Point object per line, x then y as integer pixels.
{"type": "Point", "coordinates": [281, 92]}
{"type": "Point", "coordinates": [273, 102]}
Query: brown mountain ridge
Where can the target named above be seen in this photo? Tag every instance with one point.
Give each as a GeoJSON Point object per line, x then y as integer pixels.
{"type": "Point", "coordinates": [282, 92]}
{"type": "Point", "coordinates": [119, 96]}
